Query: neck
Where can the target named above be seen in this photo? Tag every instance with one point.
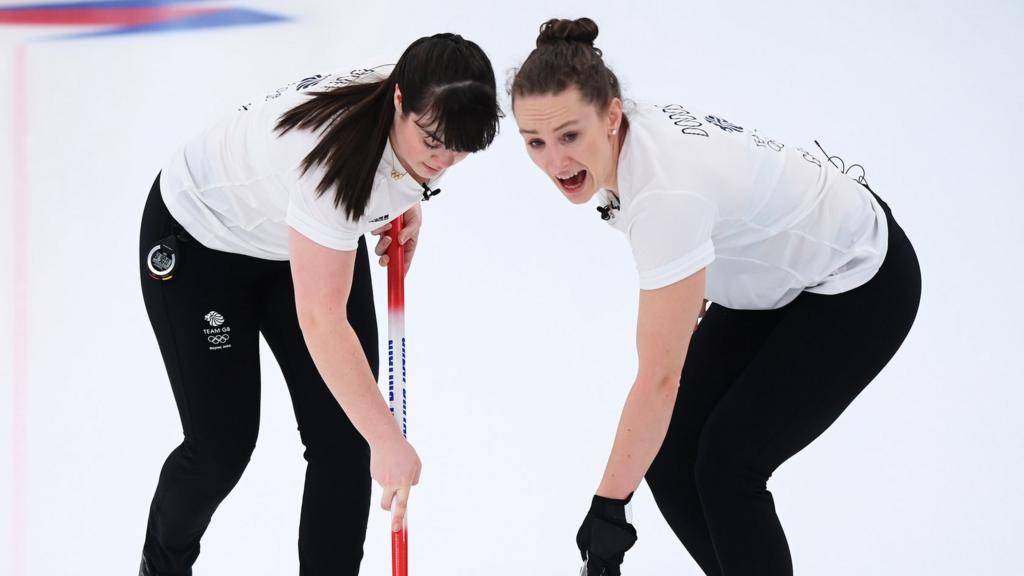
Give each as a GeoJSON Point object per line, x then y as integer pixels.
{"type": "Point", "coordinates": [393, 139]}
{"type": "Point", "coordinates": [612, 181]}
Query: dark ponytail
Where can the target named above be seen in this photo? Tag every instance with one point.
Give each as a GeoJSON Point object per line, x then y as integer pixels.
{"type": "Point", "coordinates": [566, 56]}
{"type": "Point", "coordinates": [444, 78]}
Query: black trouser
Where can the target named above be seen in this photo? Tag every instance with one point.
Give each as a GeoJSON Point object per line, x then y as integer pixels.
{"type": "Point", "coordinates": [756, 388]}
{"type": "Point", "coordinates": [207, 320]}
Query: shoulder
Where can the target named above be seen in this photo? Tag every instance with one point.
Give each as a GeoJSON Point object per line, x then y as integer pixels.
{"type": "Point", "coordinates": [657, 153]}
{"type": "Point", "coordinates": [666, 132]}
{"type": "Point", "coordinates": [680, 122]}
{"type": "Point", "coordinates": [345, 76]}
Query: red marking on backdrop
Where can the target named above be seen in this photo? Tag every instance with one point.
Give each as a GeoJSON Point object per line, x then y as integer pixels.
{"type": "Point", "coordinates": [98, 16]}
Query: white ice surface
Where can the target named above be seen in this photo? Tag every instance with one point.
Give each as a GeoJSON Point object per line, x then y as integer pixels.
{"type": "Point", "coordinates": [520, 306]}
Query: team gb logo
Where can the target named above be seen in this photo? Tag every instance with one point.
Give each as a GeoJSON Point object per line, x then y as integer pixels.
{"type": "Point", "coordinates": [214, 318]}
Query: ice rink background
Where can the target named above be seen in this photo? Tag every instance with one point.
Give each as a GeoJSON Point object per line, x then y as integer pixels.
{"type": "Point", "coordinates": [521, 307]}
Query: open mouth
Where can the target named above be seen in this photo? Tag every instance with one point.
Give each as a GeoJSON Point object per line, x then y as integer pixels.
{"type": "Point", "coordinates": [573, 183]}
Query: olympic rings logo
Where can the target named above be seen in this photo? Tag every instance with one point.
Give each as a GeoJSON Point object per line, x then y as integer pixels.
{"type": "Point", "coordinates": [219, 338]}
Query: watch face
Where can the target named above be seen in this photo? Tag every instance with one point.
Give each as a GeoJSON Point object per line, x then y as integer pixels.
{"type": "Point", "coordinates": [160, 261]}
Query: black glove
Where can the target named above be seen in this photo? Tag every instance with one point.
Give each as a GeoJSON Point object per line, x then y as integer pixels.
{"type": "Point", "coordinates": [605, 536]}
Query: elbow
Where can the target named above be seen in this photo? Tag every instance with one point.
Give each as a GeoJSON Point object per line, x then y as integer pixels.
{"type": "Point", "coordinates": [662, 381]}
{"type": "Point", "coordinates": [307, 322]}
{"type": "Point", "coordinates": [313, 319]}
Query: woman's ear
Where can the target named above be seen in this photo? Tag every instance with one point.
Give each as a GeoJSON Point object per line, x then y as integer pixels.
{"type": "Point", "coordinates": [398, 98]}
{"type": "Point", "coordinates": [614, 115]}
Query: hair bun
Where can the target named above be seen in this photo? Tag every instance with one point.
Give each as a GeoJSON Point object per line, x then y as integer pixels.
{"type": "Point", "coordinates": [583, 30]}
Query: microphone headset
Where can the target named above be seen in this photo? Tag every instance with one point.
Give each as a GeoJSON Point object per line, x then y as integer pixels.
{"type": "Point", "coordinates": [428, 193]}
{"type": "Point", "coordinates": [607, 209]}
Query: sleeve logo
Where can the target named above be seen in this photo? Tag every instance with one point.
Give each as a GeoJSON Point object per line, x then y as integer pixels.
{"type": "Point", "coordinates": [724, 124]}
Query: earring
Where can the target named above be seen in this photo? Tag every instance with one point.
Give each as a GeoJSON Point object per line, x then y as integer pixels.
{"type": "Point", "coordinates": [615, 131]}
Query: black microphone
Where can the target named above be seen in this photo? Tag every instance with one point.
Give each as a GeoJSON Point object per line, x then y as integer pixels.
{"type": "Point", "coordinates": [606, 211]}
{"type": "Point", "coordinates": [428, 193]}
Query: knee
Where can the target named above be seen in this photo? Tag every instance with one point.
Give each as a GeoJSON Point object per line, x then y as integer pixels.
{"type": "Point", "coordinates": [220, 461]}
{"type": "Point", "coordinates": [670, 473]}
{"type": "Point", "coordinates": [347, 452]}
{"type": "Point", "coordinates": [673, 488]}
{"type": "Point", "coordinates": [720, 472]}
{"type": "Point", "coordinates": [339, 467]}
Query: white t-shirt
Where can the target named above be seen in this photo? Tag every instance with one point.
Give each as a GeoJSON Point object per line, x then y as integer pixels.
{"type": "Point", "coordinates": [238, 186]}
{"type": "Point", "coordinates": [767, 220]}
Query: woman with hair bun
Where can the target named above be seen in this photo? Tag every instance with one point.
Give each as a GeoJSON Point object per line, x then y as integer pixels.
{"type": "Point", "coordinates": [812, 283]}
{"type": "Point", "coordinates": [256, 227]}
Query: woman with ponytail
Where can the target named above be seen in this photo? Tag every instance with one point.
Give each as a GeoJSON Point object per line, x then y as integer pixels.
{"type": "Point", "coordinates": [812, 283]}
{"type": "Point", "coordinates": [256, 227]}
